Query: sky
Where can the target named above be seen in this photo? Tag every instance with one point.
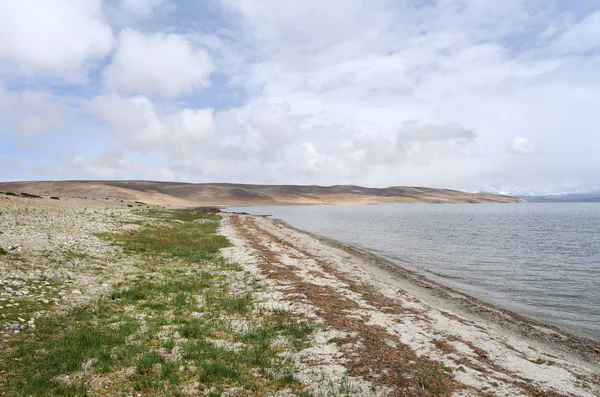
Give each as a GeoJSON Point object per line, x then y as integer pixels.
{"type": "Point", "coordinates": [477, 95]}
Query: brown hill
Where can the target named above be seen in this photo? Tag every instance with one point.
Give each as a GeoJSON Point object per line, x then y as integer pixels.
{"type": "Point", "coordinates": [222, 194]}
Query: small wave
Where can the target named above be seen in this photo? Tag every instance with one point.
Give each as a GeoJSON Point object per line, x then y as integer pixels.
{"type": "Point", "coordinates": [446, 276]}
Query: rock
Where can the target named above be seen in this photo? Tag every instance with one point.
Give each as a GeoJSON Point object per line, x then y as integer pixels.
{"type": "Point", "coordinates": [196, 315]}
{"type": "Point", "coordinates": [14, 326]}
{"type": "Point", "coordinates": [15, 247]}
{"type": "Point", "coordinates": [29, 195]}
{"type": "Point", "coordinates": [104, 285]}
{"type": "Point", "coordinates": [88, 364]}
{"type": "Point", "coordinates": [63, 380]}
{"type": "Point", "coordinates": [76, 291]}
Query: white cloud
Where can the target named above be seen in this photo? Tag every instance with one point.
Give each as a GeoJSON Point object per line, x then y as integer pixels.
{"type": "Point", "coordinates": [132, 120]}
{"type": "Point", "coordinates": [110, 164]}
{"type": "Point", "coordinates": [58, 38]}
{"type": "Point", "coordinates": [136, 122]}
{"type": "Point", "coordinates": [6, 100]}
{"type": "Point", "coordinates": [520, 146]}
{"type": "Point", "coordinates": [41, 115]}
{"type": "Point", "coordinates": [581, 37]}
{"type": "Point", "coordinates": [166, 65]}
{"type": "Point", "coordinates": [272, 121]}
{"type": "Point", "coordinates": [29, 113]}
{"type": "Point", "coordinates": [414, 143]}
{"type": "Point", "coordinates": [142, 8]}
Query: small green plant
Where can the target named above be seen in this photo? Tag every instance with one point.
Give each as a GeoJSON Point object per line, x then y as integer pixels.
{"type": "Point", "coordinates": [170, 323]}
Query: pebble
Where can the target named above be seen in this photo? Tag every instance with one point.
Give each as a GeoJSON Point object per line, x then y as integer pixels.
{"type": "Point", "coordinates": [76, 291]}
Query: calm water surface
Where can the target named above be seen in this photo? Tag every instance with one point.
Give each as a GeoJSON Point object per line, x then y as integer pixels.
{"type": "Point", "coordinates": [541, 260]}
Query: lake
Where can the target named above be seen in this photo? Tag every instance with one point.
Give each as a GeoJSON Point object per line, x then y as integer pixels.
{"type": "Point", "coordinates": [540, 260]}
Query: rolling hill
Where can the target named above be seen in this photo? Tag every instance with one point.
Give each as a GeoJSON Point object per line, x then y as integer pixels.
{"type": "Point", "coordinates": [223, 194]}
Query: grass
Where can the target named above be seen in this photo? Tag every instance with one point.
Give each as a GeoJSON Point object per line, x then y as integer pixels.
{"type": "Point", "coordinates": [431, 375]}
{"type": "Point", "coordinates": [165, 330]}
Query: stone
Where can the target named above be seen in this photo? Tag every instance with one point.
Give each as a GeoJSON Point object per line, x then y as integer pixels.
{"type": "Point", "coordinates": [14, 326]}
{"type": "Point", "coordinates": [63, 380]}
{"type": "Point", "coordinates": [88, 364]}
{"type": "Point", "coordinates": [76, 291]}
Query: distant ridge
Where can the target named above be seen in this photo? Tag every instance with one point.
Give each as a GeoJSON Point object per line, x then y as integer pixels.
{"type": "Point", "coordinates": [565, 198]}
{"type": "Point", "coordinates": [226, 194]}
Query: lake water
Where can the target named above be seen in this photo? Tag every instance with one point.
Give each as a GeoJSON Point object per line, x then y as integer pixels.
{"type": "Point", "coordinates": [541, 260]}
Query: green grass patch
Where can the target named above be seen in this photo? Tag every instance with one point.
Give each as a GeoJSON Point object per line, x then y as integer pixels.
{"type": "Point", "coordinates": [163, 330]}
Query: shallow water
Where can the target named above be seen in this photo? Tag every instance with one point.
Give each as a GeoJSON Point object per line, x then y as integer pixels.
{"type": "Point", "coordinates": [541, 260]}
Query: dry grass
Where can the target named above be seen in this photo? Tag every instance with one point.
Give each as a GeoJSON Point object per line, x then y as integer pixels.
{"type": "Point", "coordinates": [367, 354]}
{"type": "Point", "coordinates": [444, 346]}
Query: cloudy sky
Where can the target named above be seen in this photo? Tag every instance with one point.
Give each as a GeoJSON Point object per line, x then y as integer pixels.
{"type": "Point", "coordinates": [471, 94]}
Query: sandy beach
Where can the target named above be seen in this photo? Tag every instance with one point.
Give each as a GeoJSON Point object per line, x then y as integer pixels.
{"type": "Point", "coordinates": [380, 320]}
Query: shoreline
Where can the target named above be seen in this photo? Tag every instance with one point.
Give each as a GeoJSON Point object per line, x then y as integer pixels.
{"type": "Point", "coordinates": [482, 344]}
{"type": "Point", "coordinates": [446, 290]}
{"type": "Point", "coordinates": [528, 326]}
{"type": "Point", "coordinates": [324, 318]}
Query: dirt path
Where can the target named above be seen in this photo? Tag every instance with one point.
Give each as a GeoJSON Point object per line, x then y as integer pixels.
{"type": "Point", "coordinates": [393, 333]}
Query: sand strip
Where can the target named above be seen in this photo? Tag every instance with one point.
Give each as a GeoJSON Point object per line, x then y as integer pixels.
{"type": "Point", "coordinates": [390, 331]}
